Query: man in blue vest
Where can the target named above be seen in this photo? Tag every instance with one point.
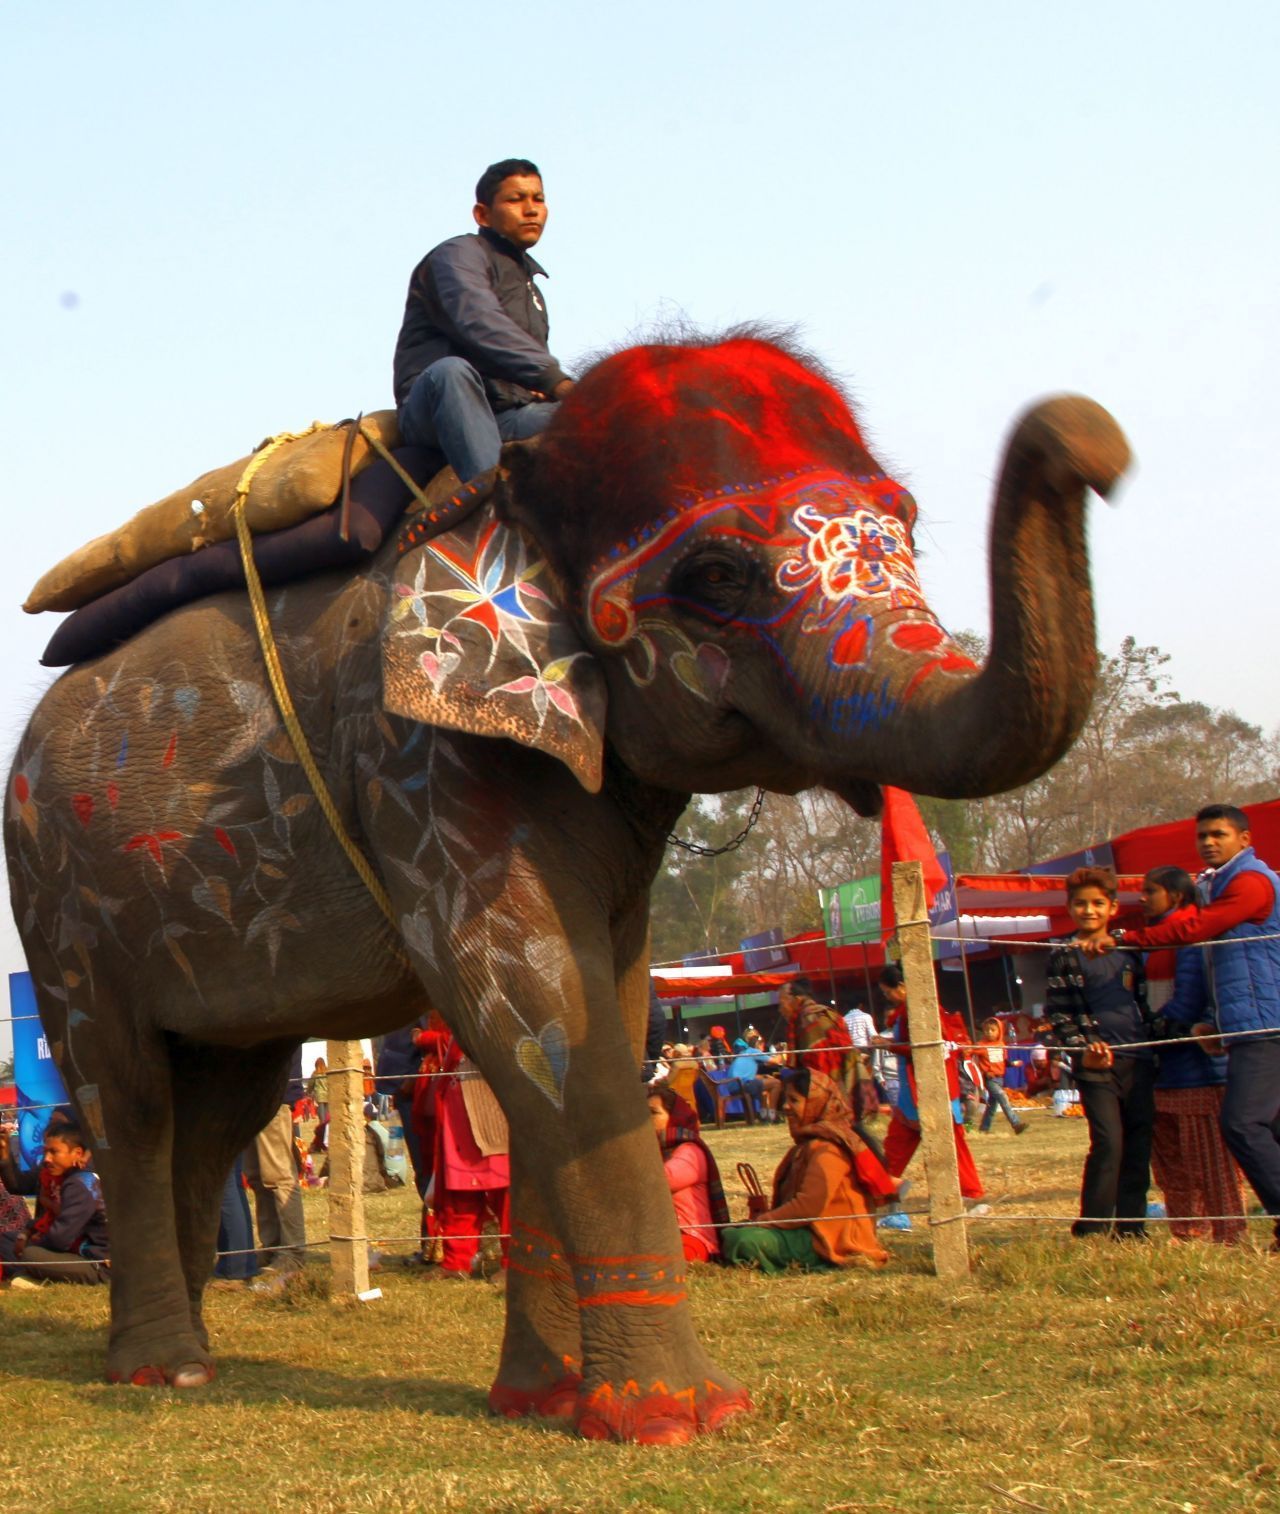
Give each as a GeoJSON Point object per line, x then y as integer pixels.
{"type": "Point", "coordinates": [1240, 917]}
{"type": "Point", "coordinates": [472, 366]}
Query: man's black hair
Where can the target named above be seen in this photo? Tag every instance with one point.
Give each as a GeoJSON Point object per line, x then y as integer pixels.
{"type": "Point", "coordinates": [801, 986]}
{"type": "Point", "coordinates": [1227, 812]}
{"type": "Point", "coordinates": [68, 1132]}
{"type": "Point", "coordinates": [491, 179]}
{"type": "Point", "coordinates": [891, 976]}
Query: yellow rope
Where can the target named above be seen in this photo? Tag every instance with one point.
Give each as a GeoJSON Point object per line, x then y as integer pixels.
{"type": "Point", "coordinates": [275, 673]}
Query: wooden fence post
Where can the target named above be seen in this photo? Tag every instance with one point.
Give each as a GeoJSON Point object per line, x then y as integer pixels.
{"type": "Point", "coordinates": [348, 1243]}
{"type": "Point", "coordinates": [933, 1098]}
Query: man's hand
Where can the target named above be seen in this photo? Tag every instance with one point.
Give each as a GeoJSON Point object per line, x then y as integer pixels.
{"type": "Point", "coordinates": [562, 389]}
{"type": "Point", "coordinates": [1207, 1037]}
{"type": "Point", "coordinates": [1098, 1056]}
{"type": "Point", "coordinates": [19, 1244]}
{"type": "Point", "coordinates": [1099, 946]}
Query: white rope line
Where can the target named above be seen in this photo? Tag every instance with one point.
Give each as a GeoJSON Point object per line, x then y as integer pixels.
{"type": "Point", "coordinates": [972, 940]}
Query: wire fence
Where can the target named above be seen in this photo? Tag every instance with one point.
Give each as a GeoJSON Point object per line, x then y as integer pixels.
{"type": "Point", "coordinates": [980, 1214]}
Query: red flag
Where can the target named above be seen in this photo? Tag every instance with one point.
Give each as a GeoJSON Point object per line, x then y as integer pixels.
{"type": "Point", "coordinates": [903, 838]}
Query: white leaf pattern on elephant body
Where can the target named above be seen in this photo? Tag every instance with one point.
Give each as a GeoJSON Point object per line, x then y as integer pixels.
{"type": "Point", "coordinates": [271, 922]}
{"type": "Point", "coordinates": [489, 868]}
{"type": "Point", "coordinates": [181, 958]}
{"type": "Point", "coordinates": [458, 914]}
{"type": "Point", "coordinates": [451, 832]}
{"type": "Point", "coordinates": [222, 811]}
{"type": "Point", "coordinates": [270, 788]}
{"type": "Point", "coordinates": [214, 895]}
{"type": "Point", "coordinates": [393, 791]}
{"type": "Point", "coordinates": [417, 931]}
{"type": "Point", "coordinates": [415, 875]}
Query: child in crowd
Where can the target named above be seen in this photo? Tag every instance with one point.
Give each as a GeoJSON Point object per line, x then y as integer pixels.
{"type": "Point", "coordinates": [989, 1055]}
{"type": "Point", "coordinates": [67, 1239]}
{"type": "Point", "coordinates": [1097, 1009]}
{"type": "Point", "coordinates": [1189, 1158]}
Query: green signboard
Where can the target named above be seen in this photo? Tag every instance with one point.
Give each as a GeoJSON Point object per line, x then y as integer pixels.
{"type": "Point", "coordinates": [851, 912]}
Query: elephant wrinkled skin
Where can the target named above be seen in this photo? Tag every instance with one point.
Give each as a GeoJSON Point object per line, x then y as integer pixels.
{"type": "Point", "coordinates": [700, 579]}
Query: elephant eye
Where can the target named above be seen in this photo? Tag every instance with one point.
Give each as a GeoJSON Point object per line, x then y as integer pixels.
{"type": "Point", "coordinates": [715, 581]}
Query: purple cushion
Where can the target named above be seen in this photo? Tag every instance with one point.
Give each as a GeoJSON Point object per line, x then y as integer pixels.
{"type": "Point", "coordinates": [378, 499]}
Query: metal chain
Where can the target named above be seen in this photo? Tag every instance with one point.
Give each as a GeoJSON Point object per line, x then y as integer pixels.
{"type": "Point", "coordinates": [697, 848]}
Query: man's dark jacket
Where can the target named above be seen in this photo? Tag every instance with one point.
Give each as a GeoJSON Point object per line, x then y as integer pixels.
{"type": "Point", "coordinates": [474, 297]}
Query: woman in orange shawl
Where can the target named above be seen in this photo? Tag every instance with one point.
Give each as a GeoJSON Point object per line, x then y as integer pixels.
{"type": "Point", "coordinates": [825, 1190]}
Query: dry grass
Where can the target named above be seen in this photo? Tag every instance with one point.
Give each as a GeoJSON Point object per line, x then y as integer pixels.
{"type": "Point", "coordinates": [1061, 1375]}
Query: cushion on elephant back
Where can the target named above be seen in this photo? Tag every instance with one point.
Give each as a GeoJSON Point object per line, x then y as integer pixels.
{"type": "Point", "coordinates": [378, 499]}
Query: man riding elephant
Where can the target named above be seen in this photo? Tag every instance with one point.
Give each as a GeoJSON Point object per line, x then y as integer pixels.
{"type": "Point", "coordinates": [472, 367]}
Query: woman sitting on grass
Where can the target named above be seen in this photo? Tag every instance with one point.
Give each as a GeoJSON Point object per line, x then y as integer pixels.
{"type": "Point", "coordinates": [825, 1190]}
{"type": "Point", "coordinates": [692, 1175]}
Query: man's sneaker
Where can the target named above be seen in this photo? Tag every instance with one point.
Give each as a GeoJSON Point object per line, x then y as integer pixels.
{"type": "Point", "coordinates": [895, 1221]}
{"type": "Point", "coordinates": [26, 1283]}
{"type": "Point", "coordinates": [976, 1211]}
{"type": "Point", "coordinates": [1021, 1128]}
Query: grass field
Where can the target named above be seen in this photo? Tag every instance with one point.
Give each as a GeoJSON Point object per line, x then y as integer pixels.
{"type": "Point", "coordinates": [1062, 1375]}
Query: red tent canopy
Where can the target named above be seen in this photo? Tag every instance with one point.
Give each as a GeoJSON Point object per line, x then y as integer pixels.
{"type": "Point", "coordinates": [1174, 844]}
{"type": "Point", "coordinates": [721, 986]}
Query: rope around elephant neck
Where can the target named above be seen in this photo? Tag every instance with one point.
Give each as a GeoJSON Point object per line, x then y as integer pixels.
{"type": "Point", "coordinates": [279, 685]}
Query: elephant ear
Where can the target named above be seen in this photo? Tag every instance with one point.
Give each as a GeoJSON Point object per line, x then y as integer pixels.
{"type": "Point", "coordinates": [476, 640]}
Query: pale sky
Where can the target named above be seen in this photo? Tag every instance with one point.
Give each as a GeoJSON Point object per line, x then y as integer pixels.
{"type": "Point", "coordinates": [212, 212]}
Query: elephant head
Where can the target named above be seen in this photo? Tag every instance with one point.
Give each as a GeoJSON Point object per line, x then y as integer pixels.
{"type": "Point", "coordinates": [709, 570]}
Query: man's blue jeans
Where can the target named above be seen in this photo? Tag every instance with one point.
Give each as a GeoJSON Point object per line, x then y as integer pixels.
{"type": "Point", "coordinates": [447, 409]}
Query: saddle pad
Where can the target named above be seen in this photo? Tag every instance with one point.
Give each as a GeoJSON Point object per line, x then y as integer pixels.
{"type": "Point", "coordinates": [378, 499]}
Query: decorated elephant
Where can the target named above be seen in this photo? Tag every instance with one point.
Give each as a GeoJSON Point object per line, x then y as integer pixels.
{"type": "Point", "coordinates": [699, 579]}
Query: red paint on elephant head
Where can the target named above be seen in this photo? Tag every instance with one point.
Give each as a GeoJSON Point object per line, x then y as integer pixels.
{"type": "Point", "coordinates": [653, 426]}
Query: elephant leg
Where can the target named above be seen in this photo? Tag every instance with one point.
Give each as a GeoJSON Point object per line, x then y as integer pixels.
{"type": "Point", "coordinates": [540, 1371]}
{"type": "Point", "coordinates": [612, 1236]}
{"type": "Point", "coordinates": [221, 1099]}
{"type": "Point", "coordinates": [117, 1070]}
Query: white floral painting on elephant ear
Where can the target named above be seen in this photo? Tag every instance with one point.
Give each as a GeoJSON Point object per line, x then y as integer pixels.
{"type": "Point", "coordinates": [476, 642]}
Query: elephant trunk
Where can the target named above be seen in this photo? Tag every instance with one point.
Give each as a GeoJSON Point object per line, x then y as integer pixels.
{"type": "Point", "coordinates": [1008, 723]}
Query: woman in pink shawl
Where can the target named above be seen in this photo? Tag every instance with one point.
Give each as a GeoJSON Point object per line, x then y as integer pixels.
{"type": "Point", "coordinates": [692, 1175]}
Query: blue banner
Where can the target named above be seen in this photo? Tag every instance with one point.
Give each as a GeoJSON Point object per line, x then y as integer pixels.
{"type": "Point", "coordinates": [1100, 855]}
{"type": "Point", "coordinates": [40, 1084]}
{"type": "Point", "coordinates": [763, 951]}
{"type": "Point", "coordinates": [943, 910]}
